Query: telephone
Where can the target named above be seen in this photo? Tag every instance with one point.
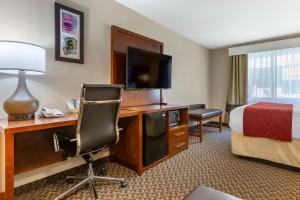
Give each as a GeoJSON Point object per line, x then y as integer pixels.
{"type": "Point", "coordinates": [49, 113]}
{"type": "Point", "coordinates": [73, 105]}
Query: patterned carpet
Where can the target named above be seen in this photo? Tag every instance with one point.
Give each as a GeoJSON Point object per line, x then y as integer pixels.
{"type": "Point", "coordinates": [210, 163]}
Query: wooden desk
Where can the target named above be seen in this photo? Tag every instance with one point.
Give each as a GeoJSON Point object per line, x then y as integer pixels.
{"type": "Point", "coordinates": [17, 135]}
{"type": "Point", "coordinates": [37, 134]}
{"type": "Point", "coordinates": [156, 108]}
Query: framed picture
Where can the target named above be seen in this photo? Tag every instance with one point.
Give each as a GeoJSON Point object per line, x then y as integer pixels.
{"type": "Point", "coordinates": [69, 34]}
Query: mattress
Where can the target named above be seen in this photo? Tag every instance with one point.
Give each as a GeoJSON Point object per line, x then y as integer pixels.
{"type": "Point", "coordinates": [287, 153]}
{"type": "Point", "coordinates": [236, 121]}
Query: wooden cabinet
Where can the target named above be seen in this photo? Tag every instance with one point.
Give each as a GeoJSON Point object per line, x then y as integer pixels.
{"type": "Point", "coordinates": [129, 151]}
{"type": "Point", "coordinates": [177, 139]}
{"type": "Point", "coordinates": [177, 136]}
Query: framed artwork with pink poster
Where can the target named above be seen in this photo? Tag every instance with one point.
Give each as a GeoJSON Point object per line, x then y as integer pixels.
{"type": "Point", "coordinates": [69, 34]}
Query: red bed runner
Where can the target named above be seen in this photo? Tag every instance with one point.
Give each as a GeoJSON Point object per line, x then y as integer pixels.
{"type": "Point", "coordinates": [269, 120]}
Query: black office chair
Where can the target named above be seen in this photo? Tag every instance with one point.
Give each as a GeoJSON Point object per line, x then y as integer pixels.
{"type": "Point", "coordinates": [97, 128]}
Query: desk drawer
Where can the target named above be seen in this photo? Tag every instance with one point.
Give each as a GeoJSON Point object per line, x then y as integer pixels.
{"type": "Point", "coordinates": [178, 135]}
{"type": "Point", "coordinates": [178, 146]}
{"type": "Point", "coordinates": [178, 140]}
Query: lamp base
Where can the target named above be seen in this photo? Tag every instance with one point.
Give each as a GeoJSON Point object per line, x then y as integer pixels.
{"type": "Point", "coordinates": [21, 105]}
{"type": "Point", "coordinates": [20, 117]}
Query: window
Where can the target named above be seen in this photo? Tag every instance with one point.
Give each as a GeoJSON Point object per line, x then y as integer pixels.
{"type": "Point", "coordinates": [274, 76]}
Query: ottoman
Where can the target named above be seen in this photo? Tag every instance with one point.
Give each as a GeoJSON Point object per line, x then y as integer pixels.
{"type": "Point", "coordinates": [207, 193]}
{"type": "Point", "coordinates": [198, 112]}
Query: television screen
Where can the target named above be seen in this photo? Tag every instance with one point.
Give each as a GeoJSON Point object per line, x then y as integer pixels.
{"type": "Point", "coordinates": [147, 69]}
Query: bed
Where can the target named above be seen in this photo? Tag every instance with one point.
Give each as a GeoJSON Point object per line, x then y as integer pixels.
{"type": "Point", "coordinates": [283, 152]}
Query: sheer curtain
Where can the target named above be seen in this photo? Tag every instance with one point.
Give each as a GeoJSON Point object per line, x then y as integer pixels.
{"type": "Point", "coordinates": [274, 76]}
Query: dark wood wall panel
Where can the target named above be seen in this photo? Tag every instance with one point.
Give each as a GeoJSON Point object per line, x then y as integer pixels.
{"type": "Point", "coordinates": [120, 40]}
{"type": "Point", "coordinates": [36, 149]}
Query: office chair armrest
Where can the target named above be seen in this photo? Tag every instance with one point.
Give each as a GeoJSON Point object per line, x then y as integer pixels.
{"type": "Point", "coordinates": [61, 136]}
{"type": "Point", "coordinates": [57, 136]}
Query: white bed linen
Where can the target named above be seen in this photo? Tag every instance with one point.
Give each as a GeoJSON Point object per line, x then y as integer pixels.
{"type": "Point", "coordinates": [236, 120]}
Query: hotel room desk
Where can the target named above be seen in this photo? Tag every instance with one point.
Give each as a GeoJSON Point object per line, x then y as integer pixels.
{"type": "Point", "coordinates": [19, 135]}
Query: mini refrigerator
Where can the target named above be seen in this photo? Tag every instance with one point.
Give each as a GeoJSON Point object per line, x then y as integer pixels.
{"type": "Point", "coordinates": [154, 137]}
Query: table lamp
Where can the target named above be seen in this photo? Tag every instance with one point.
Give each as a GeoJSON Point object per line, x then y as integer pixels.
{"type": "Point", "coordinates": [22, 59]}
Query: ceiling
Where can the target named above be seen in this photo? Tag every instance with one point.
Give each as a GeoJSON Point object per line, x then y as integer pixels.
{"type": "Point", "coordinates": [221, 23]}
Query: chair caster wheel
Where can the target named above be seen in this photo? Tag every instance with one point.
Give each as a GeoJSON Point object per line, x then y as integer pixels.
{"type": "Point", "coordinates": [70, 180]}
{"type": "Point", "coordinates": [124, 184]}
{"type": "Point", "coordinates": [103, 172]}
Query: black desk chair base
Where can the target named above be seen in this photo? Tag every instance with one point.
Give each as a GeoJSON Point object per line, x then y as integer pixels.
{"type": "Point", "coordinates": [90, 179]}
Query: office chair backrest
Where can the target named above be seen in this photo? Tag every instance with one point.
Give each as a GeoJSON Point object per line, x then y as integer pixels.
{"type": "Point", "coordinates": [97, 124]}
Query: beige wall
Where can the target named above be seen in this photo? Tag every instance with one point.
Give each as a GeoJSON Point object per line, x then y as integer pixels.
{"type": "Point", "coordinates": [218, 78]}
{"type": "Point", "coordinates": [1, 163]}
{"type": "Point", "coordinates": [33, 21]}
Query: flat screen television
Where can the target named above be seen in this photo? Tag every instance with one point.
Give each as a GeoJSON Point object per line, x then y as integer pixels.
{"type": "Point", "coordinates": [146, 69]}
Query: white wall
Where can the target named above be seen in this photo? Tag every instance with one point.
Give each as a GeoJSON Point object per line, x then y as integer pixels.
{"type": "Point", "coordinates": [33, 21]}
{"type": "Point", "coordinates": [218, 78]}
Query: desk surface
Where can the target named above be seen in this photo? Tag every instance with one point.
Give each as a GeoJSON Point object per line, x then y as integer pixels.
{"type": "Point", "coordinates": [46, 123]}
{"type": "Point", "coordinates": [71, 119]}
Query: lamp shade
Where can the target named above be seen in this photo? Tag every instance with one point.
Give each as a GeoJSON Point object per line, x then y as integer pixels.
{"type": "Point", "coordinates": [16, 56]}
